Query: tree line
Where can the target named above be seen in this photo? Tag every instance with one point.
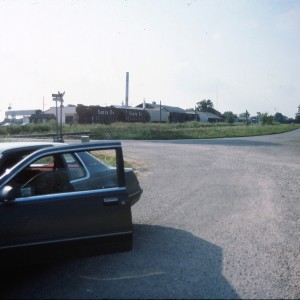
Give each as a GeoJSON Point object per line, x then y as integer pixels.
{"type": "Point", "coordinates": [230, 117]}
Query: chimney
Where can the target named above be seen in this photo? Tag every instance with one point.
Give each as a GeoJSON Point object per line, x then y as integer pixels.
{"type": "Point", "coordinates": [127, 89]}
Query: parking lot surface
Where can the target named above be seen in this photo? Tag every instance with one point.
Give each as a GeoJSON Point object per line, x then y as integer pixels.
{"type": "Point", "coordinates": [218, 218]}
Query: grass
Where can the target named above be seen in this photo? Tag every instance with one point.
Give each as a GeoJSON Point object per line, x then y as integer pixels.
{"type": "Point", "coordinates": [189, 130]}
{"type": "Point", "coordinates": [148, 131]}
{"type": "Point", "coordinates": [141, 131]}
{"type": "Point", "coordinates": [108, 157]}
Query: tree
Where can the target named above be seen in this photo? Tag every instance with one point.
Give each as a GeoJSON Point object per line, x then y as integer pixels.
{"type": "Point", "coordinates": [266, 119]}
{"type": "Point", "coordinates": [280, 118]}
{"type": "Point", "coordinates": [297, 118]}
{"type": "Point", "coordinates": [207, 106]}
{"type": "Point", "coordinates": [245, 117]}
{"type": "Point", "coordinates": [229, 117]}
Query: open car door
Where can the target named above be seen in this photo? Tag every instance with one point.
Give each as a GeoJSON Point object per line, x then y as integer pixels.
{"type": "Point", "coordinates": [43, 217]}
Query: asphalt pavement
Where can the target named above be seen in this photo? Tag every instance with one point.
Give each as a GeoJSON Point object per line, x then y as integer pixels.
{"type": "Point", "coordinates": [218, 218]}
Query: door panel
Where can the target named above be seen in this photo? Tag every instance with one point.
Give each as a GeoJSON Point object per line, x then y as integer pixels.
{"type": "Point", "coordinates": [65, 216]}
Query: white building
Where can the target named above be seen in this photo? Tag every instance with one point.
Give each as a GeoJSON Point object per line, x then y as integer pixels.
{"type": "Point", "coordinates": [69, 114]}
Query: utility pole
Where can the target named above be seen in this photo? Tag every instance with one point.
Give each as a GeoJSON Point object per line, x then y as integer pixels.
{"type": "Point", "coordinates": [159, 111]}
{"type": "Point", "coordinates": [127, 89]}
{"type": "Point", "coordinates": [58, 98]}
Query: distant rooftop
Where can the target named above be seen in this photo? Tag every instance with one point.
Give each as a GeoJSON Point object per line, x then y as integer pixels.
{"type": "Point", "coordinates": [154, 106]}
{"type": "Point", "coordinates": [26, 112]}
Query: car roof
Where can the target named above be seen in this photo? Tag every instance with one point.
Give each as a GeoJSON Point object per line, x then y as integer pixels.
{"type": "Point", "coordinates": [9, 146]}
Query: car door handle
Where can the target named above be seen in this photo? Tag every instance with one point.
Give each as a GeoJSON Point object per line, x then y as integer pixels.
{"type": "Point", "coordinates": [111, 201]}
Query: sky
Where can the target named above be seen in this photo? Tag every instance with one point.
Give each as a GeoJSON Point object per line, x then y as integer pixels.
{"type": "Point", "coordinates": [241, 54]}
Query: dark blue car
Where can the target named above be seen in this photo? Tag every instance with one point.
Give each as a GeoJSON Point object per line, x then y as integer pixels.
{"type": "Point", "coordinates": [59, 200]}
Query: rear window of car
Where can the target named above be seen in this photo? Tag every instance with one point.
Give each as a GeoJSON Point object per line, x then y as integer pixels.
{"type": "Point", "coordinates": [76, 170]}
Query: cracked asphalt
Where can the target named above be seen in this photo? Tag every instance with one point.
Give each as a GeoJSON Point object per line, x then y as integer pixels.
{"type": "Point", "coordinates": [218, 218]}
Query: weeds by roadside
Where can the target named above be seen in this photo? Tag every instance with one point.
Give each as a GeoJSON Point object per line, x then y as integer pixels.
{"type": "Point", "coordinates": [148, 131]}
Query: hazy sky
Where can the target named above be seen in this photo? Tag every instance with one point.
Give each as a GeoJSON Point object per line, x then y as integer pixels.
{"type": "Point", "coordinates": [241, 54]}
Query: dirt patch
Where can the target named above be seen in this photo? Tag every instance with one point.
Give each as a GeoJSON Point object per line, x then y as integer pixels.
{"type": "Point", "coordinates": [140, 167]}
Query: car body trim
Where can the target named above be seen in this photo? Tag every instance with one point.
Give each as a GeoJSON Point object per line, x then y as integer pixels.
{"type": "Point", "coordinates": [66, 195]}
{"type": "Point", "coordinates": [134, 198]}
{"type": "Point", "coordinates": [85, 238]}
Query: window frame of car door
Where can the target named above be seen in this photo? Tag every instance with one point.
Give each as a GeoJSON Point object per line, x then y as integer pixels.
{"type": "Point", "coordinates": [7, 177]}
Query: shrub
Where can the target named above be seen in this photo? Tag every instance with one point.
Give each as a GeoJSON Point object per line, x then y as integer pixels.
{"type": "Point", "coordinates": [266, 119]}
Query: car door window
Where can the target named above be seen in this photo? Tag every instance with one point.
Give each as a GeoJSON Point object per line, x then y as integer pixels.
{"type": "Point", "coordinates": [93, 170]}
{"type": "Point", "coordinates": [67, 172]}
{"type": "Point", "coordinates": [46, 175]}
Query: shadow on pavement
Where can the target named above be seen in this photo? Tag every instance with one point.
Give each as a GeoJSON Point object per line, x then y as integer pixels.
{"type": "Point", "coordinates": [165, 263]}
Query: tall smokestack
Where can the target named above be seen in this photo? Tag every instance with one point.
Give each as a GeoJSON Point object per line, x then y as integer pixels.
{"type": "Point", "coordinates": [127, 89]}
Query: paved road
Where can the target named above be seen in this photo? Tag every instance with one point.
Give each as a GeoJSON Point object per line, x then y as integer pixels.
{"type": "Point", "coordinates": [218, 218]}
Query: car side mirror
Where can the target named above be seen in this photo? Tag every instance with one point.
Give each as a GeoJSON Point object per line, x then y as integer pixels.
{"type": "Point", "coordinates": [7, 194]}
